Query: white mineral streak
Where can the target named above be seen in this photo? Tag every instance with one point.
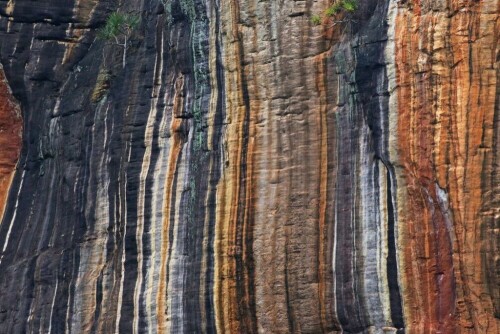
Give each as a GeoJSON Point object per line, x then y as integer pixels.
{"type": "Point", "coordinates": [212, 109]}
{"type": "Point", "coordinates": [390, 60]}
{"type": "Point", "coordinates": [123, 221]}
{"type": "Point", "coordinates": [68, 46]}
{"type": "Point", "coordinates": [205, 256]}
{"type": "Point", "coordinates": [397, 183]}
{"type": "Point", "coordinates": [31, 312]}
{"type": "Point", "coordinates": [54, 132]}
{"type": "Point", "coordinates": [157, 205]}
{"type": "Point", "coordinates": [52, 306]}
{"type": "Point", "coordinates": [383, 246]}
{"type": "Point", "coordinates": [93, 251]}
{"type": "Point", "coordinates": [108, 272]}
{"type": "Point", "coordinates": [371, 226]}
{"type": "Point", "coordinates": [177, 257]}
{"type": "Point", "coordinates": [335, 219]}
{"type": "Point", "coordinates": [168, 162]}
{"type": "Point", "coordinates": [67, 320]}
{"type": "Point", "coordinates": [383, 211]}
{"type": "Point", "coordinates": [6, 243]}
{"type": "Point", "coordinates": [212, 63]}
{"type": "Point", "coordinates": [353, 216]}
{"type": "Point", "coordinates": [141, 196]}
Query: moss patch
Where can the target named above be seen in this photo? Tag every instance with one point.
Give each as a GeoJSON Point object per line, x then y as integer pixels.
{"type": "Point", "coordinates": [101, 86]}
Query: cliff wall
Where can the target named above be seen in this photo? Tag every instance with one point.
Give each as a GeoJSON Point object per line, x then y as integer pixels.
{"type": "Point", "coordinates": [248, 171]}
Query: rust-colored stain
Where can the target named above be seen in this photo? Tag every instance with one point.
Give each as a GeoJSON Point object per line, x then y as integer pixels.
{"type": "Point", "coordinates": [10, 138]}
{"type": "Point", "coordinates": [446, 112]}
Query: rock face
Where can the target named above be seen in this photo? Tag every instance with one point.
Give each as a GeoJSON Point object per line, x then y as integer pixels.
{"type": "Point", "coordinates": [10, 139]}
{"type": "Point", "coordinates": [248, 171]}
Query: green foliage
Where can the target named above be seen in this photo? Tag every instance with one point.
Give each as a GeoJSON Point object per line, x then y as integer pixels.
{"type": "Point", "coordinates": [349, 5]}
{"type": "Point", "coordinates": [119, 28]}
{"type": "Point", "coordinates": [316, 19]}
{"type": "Point", "coordinates": [102, 85]}
{"type": "Point", "coordinates": [337, 7]}
{"type": "Point", "coordinates": [333, 9]}
{"type": "Point", "coordinates": [119, 25]}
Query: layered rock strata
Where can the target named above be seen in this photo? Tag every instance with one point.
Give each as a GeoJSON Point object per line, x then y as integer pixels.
{"type": "Point", "coordinates": [250, 172]}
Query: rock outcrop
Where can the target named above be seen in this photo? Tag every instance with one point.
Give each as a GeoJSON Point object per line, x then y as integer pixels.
{"type": "Point", "coordinates": [249, 171]}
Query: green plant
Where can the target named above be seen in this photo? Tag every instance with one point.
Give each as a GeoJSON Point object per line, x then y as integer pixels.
{"type": "Point", "coordinates": [102, 85]}
{"type": "Point", "coordinates": [350, 5]}
{"type": "Point", "coordinates": [333, 9]}
{"type": "Point", "coordinates": [119, 28]}
{"type": "Point", "coordinates": [316, 19]}
{"type": "Point", "coordinates": [336, 7]}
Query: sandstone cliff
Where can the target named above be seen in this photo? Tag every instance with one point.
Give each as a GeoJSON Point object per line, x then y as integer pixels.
{"type": "Point", "coordinates": [249, 171]}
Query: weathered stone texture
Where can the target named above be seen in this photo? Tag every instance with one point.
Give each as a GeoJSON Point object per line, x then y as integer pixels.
{"type": "Point", "coordinates": [248, 171]}
{"type": "Point", "coordinates": [447, 76]}
{"type": "Point", "coordinates": [10, 138]}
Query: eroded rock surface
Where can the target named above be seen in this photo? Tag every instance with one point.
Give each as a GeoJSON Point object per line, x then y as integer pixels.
{"type": "Point", "coordinates": [10, 138]}
{"type": "Point", "coordinates": [250, 172]}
